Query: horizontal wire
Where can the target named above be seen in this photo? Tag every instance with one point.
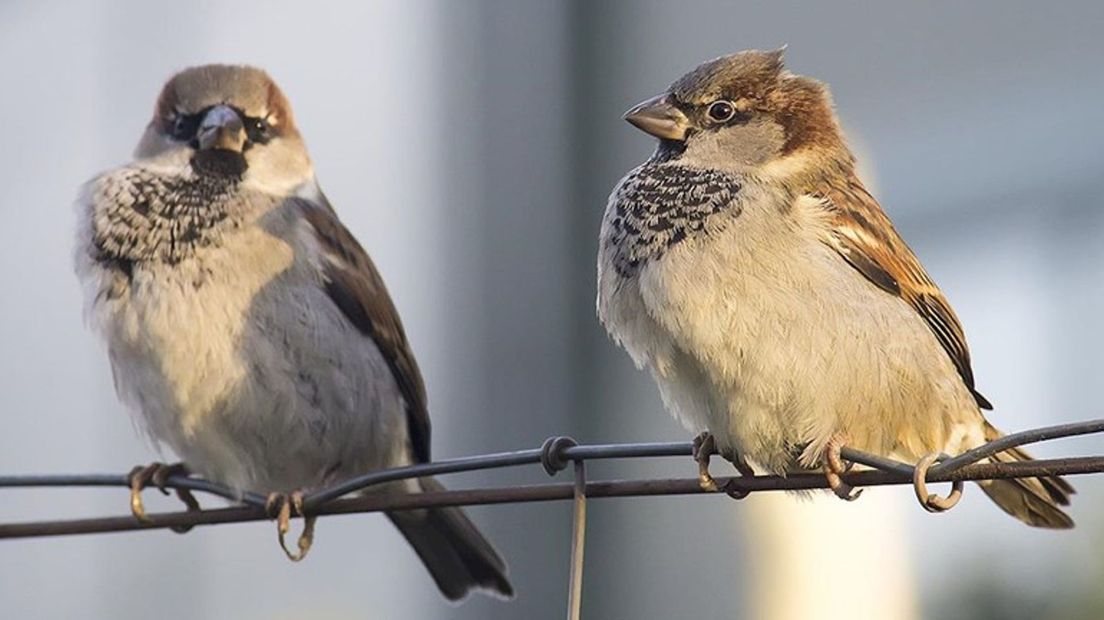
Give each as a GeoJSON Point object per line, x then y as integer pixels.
{"type": "Point", "coordinates": [1019, 439]}
{"type": "Point", "coordinates": [554, 455]}
{"type": "Point", "coordinates": [494, 461]}
{"type": "Point", "coordinates": [447, 466]}
{"type": "Point", "coordinates": [123, 480]}
{"type": "Point", "coordinates": [548, 492]}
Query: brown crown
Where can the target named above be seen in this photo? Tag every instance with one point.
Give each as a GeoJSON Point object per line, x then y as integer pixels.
{"type": "Point", "coordinates": [801, 105]}
{"type": "Point", "coordinates": [246, 88]}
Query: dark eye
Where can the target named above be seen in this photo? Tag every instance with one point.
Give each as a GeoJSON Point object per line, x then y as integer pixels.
{"type": "Point", "coordinates": [258, 130]}
{"type": "Point", "coordinates": [184, 127]}
{"type": "Point", "coordinates": [721, 111]}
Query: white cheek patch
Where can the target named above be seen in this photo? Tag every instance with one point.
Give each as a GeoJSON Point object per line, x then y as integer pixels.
{"type": "Point", "coordinates": [788, 166]}
{"type": "Point", "coordinates": [271, 176]}
{"type": "Point", "coordinates": [174, 161]}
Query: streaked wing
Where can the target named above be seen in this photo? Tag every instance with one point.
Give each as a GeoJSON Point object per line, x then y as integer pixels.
{"type": "Point", "coordinates": [357, 289]}
{"type": "Point", "coordinates": [867, 240]}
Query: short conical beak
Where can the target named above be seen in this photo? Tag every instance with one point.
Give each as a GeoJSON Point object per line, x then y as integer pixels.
{"type": "Point", "coordinates": [659, 117]}
{"type": "Point", "coordinates": [221, 128]}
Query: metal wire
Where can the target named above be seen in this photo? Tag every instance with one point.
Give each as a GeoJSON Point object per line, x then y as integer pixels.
{"type": "Point", "coordinates": [578, 544]}
{"type": "Point", "coordinates": [1019, 439]}
{"type": "Point", "coordinates": [554, 455]}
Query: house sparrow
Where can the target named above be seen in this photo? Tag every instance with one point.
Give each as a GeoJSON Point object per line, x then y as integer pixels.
{"type": "Point", "coordinates": [247, 327]}
{"type": "Point", "coordinates": [746, 266]}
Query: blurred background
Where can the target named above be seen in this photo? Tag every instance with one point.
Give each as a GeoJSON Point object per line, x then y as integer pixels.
{"type": "Point", "coordinates": [470, 147]}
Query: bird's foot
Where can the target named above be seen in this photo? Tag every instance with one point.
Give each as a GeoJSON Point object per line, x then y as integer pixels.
{"type": "Point", "coordinates": [931, 501]}
{"type": "Point", "coordinates": [835, 467]}
{"type": "Point", "coordinates": [158, 473]}
{"type": "Point", "coordinates": [283, 506]}
{"type": "Point", "coordinates": [704, 446]}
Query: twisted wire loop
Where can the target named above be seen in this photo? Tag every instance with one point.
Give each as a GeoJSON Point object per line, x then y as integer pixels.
{"type": "Point", "coordinates": [931, 501]}
{"type": "Point", "coordinates": [554, 459]}
{"type": "Point", "coordinates": [552, 456]}
{"type": "Point", "coordinates": [733, 491]}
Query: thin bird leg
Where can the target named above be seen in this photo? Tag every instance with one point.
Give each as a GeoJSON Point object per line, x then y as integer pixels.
{"type": "Point", "coordinates": [834, 467]}
{"type": "Point", "coordinates": [282, 506]}
{"type": "Point", "coordinates": [704, 446]}
{"type": "Point", "coordinates": [158, 473]}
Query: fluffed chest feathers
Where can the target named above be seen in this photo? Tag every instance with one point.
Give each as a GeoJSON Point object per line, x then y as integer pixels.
{"type": "Point", "coordinates": [660, 205]}
{"type": "Point", "coordinates": [142, 217]}
{"type": "Point", "coordinates": [181, 264]}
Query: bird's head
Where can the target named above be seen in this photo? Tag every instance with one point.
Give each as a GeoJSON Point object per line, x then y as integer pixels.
{"type": "Point", "coordinates": [229, 121]}
{"type": "Point", "coordinates": [742, 111]}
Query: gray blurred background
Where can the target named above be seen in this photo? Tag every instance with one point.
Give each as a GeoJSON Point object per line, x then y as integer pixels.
{"type": "Point", "coordinates": [471, 146]}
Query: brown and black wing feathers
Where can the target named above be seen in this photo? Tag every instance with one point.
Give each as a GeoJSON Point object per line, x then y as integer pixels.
{"type": "Point", "coordinates": [867, 240]}
{"type": "Point", "coordinates": [357, 289]}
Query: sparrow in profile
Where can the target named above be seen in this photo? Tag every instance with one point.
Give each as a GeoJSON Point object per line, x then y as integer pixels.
{"type": "Point", "coordinates": [778, 310]}
{"type": "Point", "coordinates": [246, 326]}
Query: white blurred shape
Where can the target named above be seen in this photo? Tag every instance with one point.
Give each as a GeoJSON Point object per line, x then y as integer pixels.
{"type": "Point", "coordinates": [820, 557]}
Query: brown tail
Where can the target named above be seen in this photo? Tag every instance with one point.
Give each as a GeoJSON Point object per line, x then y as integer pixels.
{"type": "Point", "coordinates": [1035, 501]}
{"type": "Point", "coordinates": [458, 557]}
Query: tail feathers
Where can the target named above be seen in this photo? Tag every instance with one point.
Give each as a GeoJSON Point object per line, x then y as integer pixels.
{"type": "Point", "coordinates": [1035, 501]}
{"type": "Point", "coordinates": [456, 554]}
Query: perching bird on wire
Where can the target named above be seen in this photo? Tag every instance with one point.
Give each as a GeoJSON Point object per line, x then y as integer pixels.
{"type": "Point", "coordinates": [248, 328]}
{"type": "Point", "coordinates": [746, 266]}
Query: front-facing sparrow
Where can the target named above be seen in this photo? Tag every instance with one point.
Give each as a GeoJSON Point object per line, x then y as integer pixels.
{"type": "Point", "coordinates": [246, 326]}
{"type": "Point", "coordinates": [746, 266]}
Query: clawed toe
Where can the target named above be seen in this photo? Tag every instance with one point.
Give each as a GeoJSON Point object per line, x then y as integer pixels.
{"type": "Point", "coordinates": [158, 473]}
{"type": "Point", "coordinates": [835, 467]}
{"type": "Point", "coordinates": [704, 446]}
{"type": "Point", "coordinates": [283, 506]}
{"type": "Point", "coordinates": [931, 501]}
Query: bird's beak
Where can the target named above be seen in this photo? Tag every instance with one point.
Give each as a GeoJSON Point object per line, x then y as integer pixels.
{"type": "Point", "coordinates": [659, 117]}
{"type": "Point", "coordinates": [221, 128]}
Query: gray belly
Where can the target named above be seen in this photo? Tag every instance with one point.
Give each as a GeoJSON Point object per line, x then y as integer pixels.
{"type": "Point", "coordinates": [318, 402]}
